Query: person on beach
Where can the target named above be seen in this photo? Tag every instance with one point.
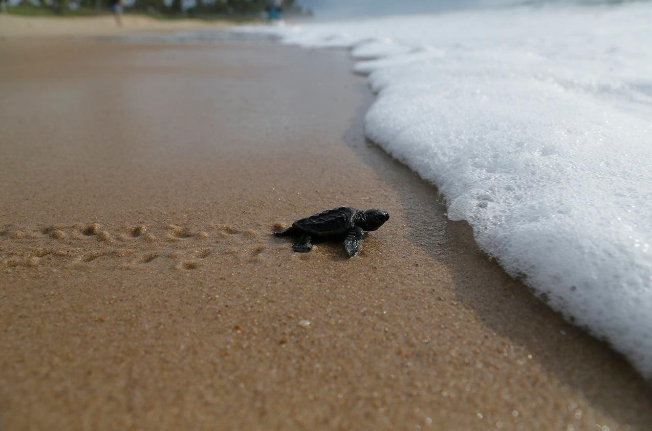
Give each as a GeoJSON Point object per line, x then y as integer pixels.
{"type": "Point", "coordinates": [116, 8]}
{"type": "Point", "coordinates": [274, 10]}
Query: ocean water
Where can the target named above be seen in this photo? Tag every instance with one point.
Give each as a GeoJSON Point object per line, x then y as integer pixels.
{"type": "Point", "coordinates": [535, 124]}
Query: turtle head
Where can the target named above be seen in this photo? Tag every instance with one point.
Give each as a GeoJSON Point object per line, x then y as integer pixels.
{"type": "Point", "coordinates": [373, 219]}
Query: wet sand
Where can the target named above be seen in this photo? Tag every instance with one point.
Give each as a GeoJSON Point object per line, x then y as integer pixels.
{"type": "Point", "coordinates": [140, 288]}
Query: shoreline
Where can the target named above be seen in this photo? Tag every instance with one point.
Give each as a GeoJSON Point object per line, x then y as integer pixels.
{"type": "Point", "coordinates": [506, 158]}
{"type": "Point", "coordinates": [196, 322]}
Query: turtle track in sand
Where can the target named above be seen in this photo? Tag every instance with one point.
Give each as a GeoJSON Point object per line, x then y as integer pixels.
{"type": "Point", "coordinates": [91, 246]}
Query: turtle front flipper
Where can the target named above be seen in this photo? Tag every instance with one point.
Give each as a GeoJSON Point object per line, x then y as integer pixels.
{"type": "Point", "coordinates": [353, 241]}
{"type": "Point", "coordinates": [289, 231]}
{"type": "Point", "coordinates": [304, 245]}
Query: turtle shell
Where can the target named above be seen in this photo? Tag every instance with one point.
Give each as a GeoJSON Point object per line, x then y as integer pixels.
{"type": "Point", "coordinates": [328, 223]}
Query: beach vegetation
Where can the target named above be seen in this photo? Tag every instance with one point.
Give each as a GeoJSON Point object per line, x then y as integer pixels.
{"type": "Point", "coordinates": [210, 10]}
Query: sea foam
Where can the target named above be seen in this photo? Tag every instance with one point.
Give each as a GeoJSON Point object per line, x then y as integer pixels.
{"type": "Point", "coordinates": [534, 124]}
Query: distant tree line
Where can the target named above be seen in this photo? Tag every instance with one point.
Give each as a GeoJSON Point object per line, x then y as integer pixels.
{"type": "Point", "coordinates": [238, 7]}
{"type": "Point", "coordinates": [198, 8]}
{"type": "Point", "coordinates": [214, 7]}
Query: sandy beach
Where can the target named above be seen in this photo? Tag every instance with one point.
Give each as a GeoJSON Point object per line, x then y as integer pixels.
{"type": "Point", "coordinates": [18, 27]}
{"type": "Point", "coordinates": [141, 289]}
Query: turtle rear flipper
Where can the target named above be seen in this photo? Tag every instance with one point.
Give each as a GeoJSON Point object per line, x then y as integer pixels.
{"type": "Point", "coordinates": [304, 245]}
{"type": "Point", "coordinates": [289, 231]}
{"type": "Point", "coordinates": [353, 241]}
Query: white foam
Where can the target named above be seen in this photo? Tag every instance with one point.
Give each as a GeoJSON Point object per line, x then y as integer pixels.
{"type": "Point", "coordinates": [534, 123]}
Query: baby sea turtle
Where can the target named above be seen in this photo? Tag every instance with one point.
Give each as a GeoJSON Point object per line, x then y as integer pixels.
{"type": "Point", "coordinates": [344, 221]}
